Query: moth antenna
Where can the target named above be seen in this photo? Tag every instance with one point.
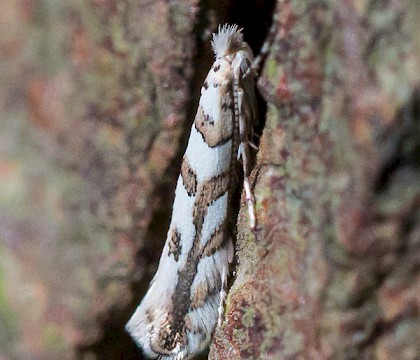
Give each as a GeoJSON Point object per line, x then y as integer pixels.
{"type": "Point", "coordinates": [265, 48]}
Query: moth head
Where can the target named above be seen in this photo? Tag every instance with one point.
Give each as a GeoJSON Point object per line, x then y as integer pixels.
{"type": "Point", "coordinates": [228, 44]}
{"type": "Point", "coordinates": [228, 40]}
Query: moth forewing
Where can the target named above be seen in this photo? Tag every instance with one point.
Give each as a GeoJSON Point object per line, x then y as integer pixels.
{"type": "Point", "coordinates": [180, 310]}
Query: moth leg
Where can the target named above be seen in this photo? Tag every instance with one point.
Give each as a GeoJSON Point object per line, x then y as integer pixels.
{"type": "Point", "coordinates": [223, 294]}
{"type": "Point", "coordinates": [223, 289]}
{"type": "Point", "coordinates": [250, 202]}
{"type": "Point", "coordinates": [253, 136]}
{"type": "Point", "coordinates": [243, 152]}
{"type": "Point", "coordinates": [251, 144]}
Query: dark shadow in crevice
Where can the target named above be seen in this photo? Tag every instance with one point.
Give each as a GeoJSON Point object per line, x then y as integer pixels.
{"type": "Point", "coordinates": [255, 17]}
{"type": "Point", "coordinates": [407, 145]}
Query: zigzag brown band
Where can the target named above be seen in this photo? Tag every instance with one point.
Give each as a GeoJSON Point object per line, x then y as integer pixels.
{"type": "Point", "coordinates": [215, 242]}
{"type": "Point", "coordinates": [207, 193]}
{"type": "Point", "coordinates": [175, 246]}
{"type": "Point", "coordinates": [203, 291]}
{"type": "Point", "coordinates": [216, 133]}
{"type": "Point", "coordinates": [189, 177]}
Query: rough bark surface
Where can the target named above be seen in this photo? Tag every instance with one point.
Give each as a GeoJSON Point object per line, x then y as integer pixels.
{"type": "Point", "coordinates": [96, 101]}
{"type": "Point", "coordinates": [95, 105]}
{"type": "Point", "coordinates": [334, 270]}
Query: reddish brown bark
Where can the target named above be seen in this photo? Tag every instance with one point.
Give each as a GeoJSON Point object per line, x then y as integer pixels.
{"type": "Point", "coordinates": [96, 104]}
{"type": "Point", "coordinates": [333, 272]}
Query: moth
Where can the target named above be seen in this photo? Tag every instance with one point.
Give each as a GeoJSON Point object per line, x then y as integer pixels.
{"type": "Point", "coordinates": [185, 299]}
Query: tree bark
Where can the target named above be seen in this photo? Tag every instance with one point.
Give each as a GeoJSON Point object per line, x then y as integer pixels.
{"type": "Point", "coordinates": [334, 270]}
{"type": "Point", "coordinates": [97, 100]}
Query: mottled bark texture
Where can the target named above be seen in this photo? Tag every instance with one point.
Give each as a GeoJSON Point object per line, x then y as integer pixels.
{"type": "Point", "coordinates": [96, 101]}
{"type": "Point", "coordinates": [334, 270]}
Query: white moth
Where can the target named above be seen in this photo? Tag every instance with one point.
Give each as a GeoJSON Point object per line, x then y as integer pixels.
{"type": "Point", "coordinates": [185, 300]}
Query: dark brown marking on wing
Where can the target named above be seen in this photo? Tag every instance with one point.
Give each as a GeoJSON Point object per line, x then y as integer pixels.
{"type": "Point", "coordinates": [208, 192]}
{"type": "Point", "coordinates": [175, 245]}
{"type": "Point", "coordinates": [170, 335]}
{"type": "Point", "coordinates": [203, 291]}
{"type": "Point", "coordinates": [216, 68]}
{"type": "Point", "coordinates": [199, 295]}
{"type": "Point", "coordinates": [189, 177]}
{"type": "Point", "coordinates": [150, 317]}
{"type": "Point", "coordinates": [215, 132]}
{"type": "Point", "coordinates": [216, 240]}
{"type": "Point", "coordinates": [190, 326]}
{"type": "Point", "coordinates": [206, 85]}
{"type": "Point", "coordinates": [180, 299]}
